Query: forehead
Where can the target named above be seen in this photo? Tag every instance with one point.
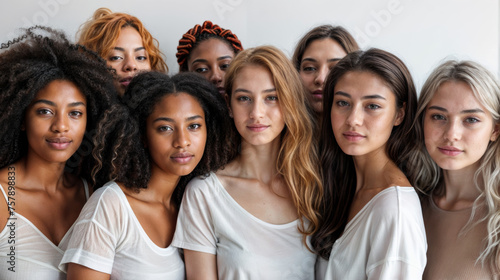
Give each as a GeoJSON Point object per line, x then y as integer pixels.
{"type": "Point", "coordinates": [129, 36]}
{"type": "Point", "coordinates": [455, 95]}
{"type": "Point", "coordinates": [61, 91]}
{"type": "Point", "coordinates": [326, 47]}
{"type": "Point", "coordinates": [211, 48]}
{"type": "Point", "coordinates": [363, 83]}
{"type": "Point", "coordinates": [179, 104]}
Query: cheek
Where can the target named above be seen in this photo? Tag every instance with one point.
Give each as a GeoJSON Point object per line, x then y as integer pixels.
{"type": "Point", "coordinates": [307, 79]}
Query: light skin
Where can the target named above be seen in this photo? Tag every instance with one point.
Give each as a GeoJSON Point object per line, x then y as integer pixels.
{"type": "Point", "coordinates": [252, 179]}
{"type": "Point", "coordinates": [211, 58]}
{"type": "Point", "coordinates": [457, 131]}
{"type": "Point", "coordinates": [363, 115]}
{"type": "Point", "coordinates": [51, 199]}
{"type": "Point", "coordinates": [318, 59]}
{"type": "Point", "coordinates": [128, 57]}
{"type": "Point", "coordinates": [175, 136]}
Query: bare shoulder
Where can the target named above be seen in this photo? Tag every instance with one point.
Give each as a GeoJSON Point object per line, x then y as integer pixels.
{"type": "Point", "coordinates": [393, 176]}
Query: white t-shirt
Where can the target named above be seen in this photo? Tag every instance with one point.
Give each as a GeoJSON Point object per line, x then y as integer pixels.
{"type": "Point", "coordinates": [385, 240]}
{"type": "Point", "coordinates": [108, 238]}
{"type": "Point", "coordinates": [26, 253]}
{"type": "Point", "coordinates": [211, 221]}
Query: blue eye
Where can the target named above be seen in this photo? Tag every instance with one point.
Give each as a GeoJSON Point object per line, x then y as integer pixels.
{"type": "Point", "coordinates": [272, 98]}
{"type": "Point", "coordinates": [472, 120]}
{"type": "Point", "coordinates": [308, 69]}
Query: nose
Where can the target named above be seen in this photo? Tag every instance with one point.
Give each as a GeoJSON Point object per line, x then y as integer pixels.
{"type": "Point", "coordinates": [216, 76]}
{"type": "Point", "coordinates": [129, 64]}
{"type": "Point", "coordinates": [182, 139]}
{"type": "Point", "coordinates": [355, 117]}
{"type": "Point", "coordinates": [60, 123]}
{"type": "Point", "coordinates": [257, 110]}
{"type": "Point", "coordinates": [320, 78]}
{"type": "Point", "coordinates": [453, 131]}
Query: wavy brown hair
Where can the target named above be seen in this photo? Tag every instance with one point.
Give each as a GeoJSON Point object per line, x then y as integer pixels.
{"type": "Point", "coordinates": [297, 157]}
{"type": "Point", "coordinates": [339, 173]}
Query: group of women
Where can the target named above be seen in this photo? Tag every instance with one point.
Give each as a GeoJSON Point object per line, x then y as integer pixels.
{"type": "Point", "coordinates": [246, 164]}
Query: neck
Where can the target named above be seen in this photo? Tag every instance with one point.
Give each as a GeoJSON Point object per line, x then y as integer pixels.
{"type": "Point", "coordinates": [161, 186]}
{"type": "Point", "coordinates": [259, 162]}
{"type": "Point", "coordinates": [370, 168]}
{"type": "Point", "coordinates": [459, 185]}
{"type": "Point", "coordinates": [37, 173]}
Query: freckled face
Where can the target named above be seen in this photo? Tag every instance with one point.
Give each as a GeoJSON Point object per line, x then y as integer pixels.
{"type": "Point", "coordinates": [55, 122]}
{"type": "Point", "coordinates": [363, 113]}
{"type": "Point", "coordinates": [457, 127]}
{"type": "Point", "coordinates": [212, 58]}
{"type": "Point", "coordinates": [255, 106]}
{"type": "Point", "coordinates": [319, 58]}
{"type": "Point", "coordinates": [176, 134]}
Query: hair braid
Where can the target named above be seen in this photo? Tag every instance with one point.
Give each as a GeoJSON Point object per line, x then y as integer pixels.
{"type": "Point", "coordinates": [198, 34]}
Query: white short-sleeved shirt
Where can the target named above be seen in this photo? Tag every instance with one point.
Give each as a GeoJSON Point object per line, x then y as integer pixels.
{"type": "Point", "coordinates": [108, 238]}
{"type": "Point", "coordinates": [385, 240]}
{"type": "Point", "coordinates": [34, 256]}
{"type": "Point", "coordinates": [211, 221]}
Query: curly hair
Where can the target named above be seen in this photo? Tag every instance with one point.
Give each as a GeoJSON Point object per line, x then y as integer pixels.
{"type": "Point", "coordinates": [428, 176]}
{"type": "Point", "coordinates": [336, 33]}
{"type": "Point", "coordinates": [125, 130]}
{"type": "Point", "coordinates": [339, 173]}
{"type": "Point", "coordinates": [27, 65]}
{"type": "Point", "coordinates": [101, 32]}
{"type": "Point", "coordinates": [297, 158]}
{"type": "Point", "coordinates": [200, 33]}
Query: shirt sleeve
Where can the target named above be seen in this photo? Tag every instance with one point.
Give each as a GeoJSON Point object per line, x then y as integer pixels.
{"type": "Point", "coordinates": [398, 241]}
{"type": "Point", "coordinates": [195, 225]}
{"type": "Point", "coordinates": [96, 232]}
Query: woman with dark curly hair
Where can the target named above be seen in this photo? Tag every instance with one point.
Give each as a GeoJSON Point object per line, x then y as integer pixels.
{"type": "Point", "coordinates": [208, 49]}
{"type": "Point", "coordinates": [172, 129]}
{"type": "Point", "coordinates": [52, 95]}
{"type": "Point", "coordinates": [123, 41]}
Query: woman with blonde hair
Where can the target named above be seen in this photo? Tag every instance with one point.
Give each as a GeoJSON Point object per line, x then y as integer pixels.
{"type": "Point", "coordinates": [252, 219]}
{"type": "Point", "coordinates": [456, 164]}
{"type": "Point", "coordinates": [124, 42]}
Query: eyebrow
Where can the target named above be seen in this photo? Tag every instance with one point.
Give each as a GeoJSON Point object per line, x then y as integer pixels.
{"type": "Point", "coordinates": [173, 121]}
{"type": "Point", "coordinates": [247, 91]}
{"type": "Point", "coordinates": [135, 50]}
{"type": "Point", "coordinates": [202, 60]}
{"type": "Point", "coordinates": [373, 96]}
{"type": "Point", "coordinates": [328, 60]}
{"type": "Point", "coordinates": [470, 111]}
{"type": "Point", "coordinates": [50, 103]}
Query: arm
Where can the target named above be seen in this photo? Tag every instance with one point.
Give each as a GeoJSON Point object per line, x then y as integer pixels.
{"type": "Point", "coordinates": [200, 265]}
{"type": "Point", "coordinates": [80, 272]}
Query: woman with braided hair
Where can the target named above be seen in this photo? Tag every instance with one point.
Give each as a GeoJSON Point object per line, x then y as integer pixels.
{"type": "Point", "coordinates": [124, 42]}
{"type": "Point", "coordinates": [208, 49]}
{"type": "Point", "coordinates": [52, 95]}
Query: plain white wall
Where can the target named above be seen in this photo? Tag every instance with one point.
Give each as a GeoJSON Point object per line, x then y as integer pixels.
{"type": "Point", "coordinates": [422, 33]}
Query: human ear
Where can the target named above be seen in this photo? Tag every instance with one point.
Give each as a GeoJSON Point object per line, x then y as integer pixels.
{"type": "Point", "coordinates": [400, 115]}
{"type": "Point", "coordinates": [495, 133]}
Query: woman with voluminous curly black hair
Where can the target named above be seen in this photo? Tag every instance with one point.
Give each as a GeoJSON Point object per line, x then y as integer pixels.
{"type": "Point", "coordinates": [52, 96]}
{"type": "Point", "coordinates": [208, 49]}
{"type": "Point", "coordinates": [168, 131]}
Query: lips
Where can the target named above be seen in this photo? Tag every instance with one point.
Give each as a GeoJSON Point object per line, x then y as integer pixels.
{"type": "Point", "coordinates": [221, 90]}
{"type": "Point", "coordinates": [450, 150]}
{"type": "Point", "coordinates": [353, 136]}
{"type": "Point", "coordinates": [257, 127]}
{"type": "Point", "coordinates": [318, 94]}
{"type": "Point", "coordinates": [125, 81]}
{"type": "Point", "coordinates": [59, 143]}
{"type": "Point", "coordinates": [182, 158]}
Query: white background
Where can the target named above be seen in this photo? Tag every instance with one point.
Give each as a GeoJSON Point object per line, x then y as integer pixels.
{"type": "Point", "coordinates": [422, 33]}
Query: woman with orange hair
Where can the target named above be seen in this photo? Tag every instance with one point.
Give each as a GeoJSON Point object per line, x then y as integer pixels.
{"type": "Point", "coordinates": [124, 42]}
{"type": "Point", "coordinates": [208, 49]}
